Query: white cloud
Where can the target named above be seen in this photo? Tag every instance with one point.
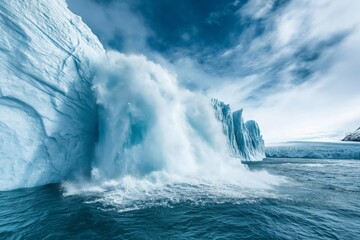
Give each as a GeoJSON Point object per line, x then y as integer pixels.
{"type": "Point", "coordinates": [327, 104]}
{"type": "Point", "coordinates": [256, 8]}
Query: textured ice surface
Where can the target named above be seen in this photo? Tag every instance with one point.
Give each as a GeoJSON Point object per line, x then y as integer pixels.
{"type": "Point", "coordinates": [354, 136]}
{"type": "Point", "coordinates": [47, 108]}
{"type": "Point", "coordinates": [244, 139]}
{"type": "Point", "coordinates": [316, 150]}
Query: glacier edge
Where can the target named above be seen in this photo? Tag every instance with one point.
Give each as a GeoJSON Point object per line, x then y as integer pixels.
{"type": "Point", "coordinates": [47, 108]}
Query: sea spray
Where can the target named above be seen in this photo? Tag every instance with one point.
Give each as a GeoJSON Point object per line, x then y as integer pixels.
{"type": "Point", "coordinates": [148, 123]}
{"type": "Point", "coordinates": [159, 142]}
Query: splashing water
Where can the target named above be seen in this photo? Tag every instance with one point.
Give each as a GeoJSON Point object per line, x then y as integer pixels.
{"type": "Point", "coordinates": [157, 140]}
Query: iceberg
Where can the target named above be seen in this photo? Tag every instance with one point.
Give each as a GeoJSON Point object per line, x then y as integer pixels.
{"type": "Point", "coordinates": [70, 110]}
{"type": "Point", "coordinates": [354, 136]}
{"type": "Point", "coordinates": [48, 113]}
{"type": "Point", "coordinates": [244, 139]}
{"type": "Point", "coordinates": [314, 150]}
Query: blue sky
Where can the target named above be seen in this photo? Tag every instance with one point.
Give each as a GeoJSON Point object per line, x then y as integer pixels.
{"type": "Point", "coordinates": [291, 64]}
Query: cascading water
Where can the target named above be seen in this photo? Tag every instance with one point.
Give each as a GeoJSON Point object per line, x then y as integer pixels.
{"type": "Point", "coordinates": [148, 123]}
{"type": "Point", "coordinates": [159, 141]}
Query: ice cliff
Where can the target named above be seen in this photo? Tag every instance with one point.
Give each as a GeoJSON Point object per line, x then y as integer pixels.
{"type": "Point", "coordinates": [244, 139]}
{"type": "Point", "coordinates": [47, 109]}
{"type": "Point", "coordinates": [354, 136]}
{"type": "Point", "coordinates": [68, 109]}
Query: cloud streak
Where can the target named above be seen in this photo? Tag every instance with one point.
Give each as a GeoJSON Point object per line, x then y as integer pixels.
{"type": "Point", "coordinates": [292, 64]}
{"type": "Point", "coordinates": [322, 103]}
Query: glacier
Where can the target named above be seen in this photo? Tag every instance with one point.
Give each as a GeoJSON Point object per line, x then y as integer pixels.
{"type": "Point", "coordinates": [244, 139]}
{"type": "Point", "coordinates": [354, 136]}
{"type": "Point", "coordinates": [314, 150]}
{"type": "Point", "coordinates": [69, 109]}
{"type": "Point", "coordinates": [48, 112]}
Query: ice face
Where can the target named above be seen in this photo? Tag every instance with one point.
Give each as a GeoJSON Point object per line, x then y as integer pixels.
{"type": "Point", "coordinates": [244, 139]}
{"type": "Point", "coordinates": [255, 143]}
{"type": "Point", "coordinates": [47, 108]}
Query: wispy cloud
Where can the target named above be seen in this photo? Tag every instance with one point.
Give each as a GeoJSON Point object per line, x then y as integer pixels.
{"type": "Point", "coordinates": [312, 46]}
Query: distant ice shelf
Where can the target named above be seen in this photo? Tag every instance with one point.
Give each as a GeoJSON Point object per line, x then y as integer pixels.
{"type": "Point", "coordinates": [315, 150]}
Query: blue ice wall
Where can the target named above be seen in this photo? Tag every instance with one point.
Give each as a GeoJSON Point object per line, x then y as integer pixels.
{"type": "Point", "coordinates": [244, 139]}
{"type": "Point", "coordinates": [47, 108]}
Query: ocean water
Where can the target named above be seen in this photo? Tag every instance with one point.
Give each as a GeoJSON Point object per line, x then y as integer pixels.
{"type": "Point", "coordinates": [317, 199]}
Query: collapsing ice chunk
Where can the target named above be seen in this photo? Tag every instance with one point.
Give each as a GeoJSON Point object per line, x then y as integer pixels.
{"type": "Point", "coordinates": [244, 139]}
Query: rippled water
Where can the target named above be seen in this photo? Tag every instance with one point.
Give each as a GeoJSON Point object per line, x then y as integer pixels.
{"type": "Point", "coordinates": [320, 199]}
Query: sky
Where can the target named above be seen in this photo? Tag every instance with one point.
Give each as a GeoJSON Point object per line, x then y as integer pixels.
{"type": "Point", "coordinates": [293, 65]}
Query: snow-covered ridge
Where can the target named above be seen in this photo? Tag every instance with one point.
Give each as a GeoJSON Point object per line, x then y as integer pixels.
{"type": "Point", "coordinates": [47, 109]}
{"type": "Point", "coordinates": [354, 136]}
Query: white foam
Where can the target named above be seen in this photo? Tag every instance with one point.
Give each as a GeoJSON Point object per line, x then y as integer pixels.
{"type": "Point", "coordinates": [130, 193]}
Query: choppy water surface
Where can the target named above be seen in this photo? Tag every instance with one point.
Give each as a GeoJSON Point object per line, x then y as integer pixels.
{"type": "Point", "coordinates": [320, 199]}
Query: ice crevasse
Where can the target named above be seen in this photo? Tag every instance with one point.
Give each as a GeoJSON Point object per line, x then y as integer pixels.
{"type": "Point", "coordinates": [64, 112]}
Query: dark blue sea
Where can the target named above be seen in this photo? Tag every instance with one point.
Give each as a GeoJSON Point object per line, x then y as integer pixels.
{"type": "Point", "coordinates": [320, 199]}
